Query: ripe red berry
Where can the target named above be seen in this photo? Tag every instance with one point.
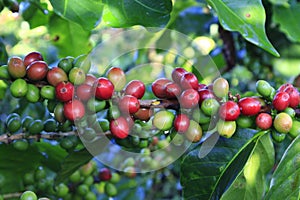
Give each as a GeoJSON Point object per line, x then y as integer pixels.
{"type": "Point", "coordinates": [56, 75]}
{"type": "Point", "coordinates": [64, 91]}
{"type": "Point", "coordinates": [294, 96]}
{"type": "Point", "coordinates": [205, 94]}
{"type": "Point", "coordinates": [181, 123]}
{"type": "Point", "coordinates": [84, 92]}
{"type": "Point", "coordinates": [229, 111]}
{"type": "Point", "coordinates": [201, 86]}
{"type": "Point", "coordinates": [249, 106]}
{"type": "Point", "coordinates": [90, 79]}
{"type": "Point", "coordinates": [104, 174]}
{"type": "Point", "coordinates": [173, 90]}
{"type": "Point", "coordinates": [135, 88]}
{"type": "Point", "coordinates": [159, 87]}
{"type": "Point", "coordinates": [119, 127]}
{"type": "Point", "coordinates": [281, 101]}
{"type": "Point", "coordinates": [74, 110]}
{"type": "Point", "coordinates": [189, 98]}
{"type": "Point", "coordinates": [37, 70]}
{"type": "Point", "coordinates": [263, 121]}
{"type": "Point", "coordinates": [104, 88]}
{"type": "Point", "coordinates": [189, 80]}
{"type": "Point", "coordinates": [129, 104]}
{"type": "Point", "coordinates": [143, 114]}
{"type": "Point", "coordinates": [284, 86]}
{"type": "Point", "coordinates": [117, 76]}
{"type": "Point", "coordinates": [177, 73]}
{"type": "Point", "coordinates": [31, 57]}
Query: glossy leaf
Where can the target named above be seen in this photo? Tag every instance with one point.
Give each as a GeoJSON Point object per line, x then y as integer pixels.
{"type": "Point", "coordinates": [85, 13]}
{"type": "Point", "coordinates": [250, 183]}
{"type": "Point", "coordinates": [285, 182]}
{"type": "Point", "coordinates": [71, 163]}
{"type": "Point", "coordinates": [287, 17]}
{"type": "Point", "coordinates": [35, 13]}
{"type": "Point", "coordinates": [280, 2]}
{"type": "Point", "coordinates": [70, 38]}
{"type": "Point", "coordinates": [246, 17]}
{"type": "Point", "coordinates": [125, 13]}
{"type": "Point", "coordinates": [209, 177]}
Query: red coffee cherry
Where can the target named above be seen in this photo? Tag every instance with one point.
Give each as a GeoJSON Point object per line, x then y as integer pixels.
{"type": "Point", "coordinates": [31, 57]}
{"type": "Point", "coordinates": [205, 94]}
{"type": "Point", "coordinates": [159, 87]}
{"type": "Point", "coordinates": [135, 88]}
{"type": "Point", "coordinates": [104, 174]}
{"type": "Point", "coordinates": [189, 81]}
{"type": "Point", "coordinates": [129, 104]}
{"type": "Point", "coordinates": [117, 76]}
{"type": "Point", "coordinates": [294, 96]}
{"type": "Point", "coordinates": [189, 98]}
{"type": "Point", "coordinates": [181, 123]}
{"type": "Point", "coordinates": [90, 79]}
{"type": "Point", "coordinates": [173, 90]}
{"type": "Point", "coordinates": [143, 114]}
{"type": "Point", "coordinates": [64, 91]}
{"type": "Point", "coordinates": [249, 106]}
{"type": "Point", "coordinates": [229, 111]}
{"type": "Point", "coordinates": [264, 121]}
{"type": "Point", "coordinates": [74, 110]}
{"type": "Point", "coordinates": [37, 70]}
{"type": "Point", "coordinates": [284, 86]}
{"type": "Point", "coordinates": [177, 73]}
{"type": "Point", "coordinates": [56, 75]}
{"type": "Point", "coordinates": [119, 128]}
{"type": "Point", "coordinates": [104, 88]}
{"type": "Point", "coordinates": [281, 101]}
{"type": "Point", "coordinates": [84, 92]}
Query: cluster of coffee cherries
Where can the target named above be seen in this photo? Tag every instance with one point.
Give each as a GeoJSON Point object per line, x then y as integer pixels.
{"type": "Point", "coordinates": [84, 183]}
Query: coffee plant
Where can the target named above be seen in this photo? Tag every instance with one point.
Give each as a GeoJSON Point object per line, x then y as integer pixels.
{"type": "Point", "coordinates": [145, 99]}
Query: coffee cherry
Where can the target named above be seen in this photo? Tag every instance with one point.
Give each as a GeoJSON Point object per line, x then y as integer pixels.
{"type": "Point", "coordinates": [220, 87]}
{"type": "Point", "coordinates": [84, 92]}
{"type": "Point", "coordinates": [205, 94]}
{"type": "Point", "coordinates": [283, 123]}
{"type": "Point", "coordinates": [113, 112]}
{"type": "Point", "coordinates": [28, 195]}
{"type": "Point", "coordinates": [249, 106]}
{"type": "Point", "coordinates": [189, 98]}
{"type": "Point", "coordinates": [173, 90]}
{"type": "Point", "coordinates": [16, 67]}
{"type": "Point", "coordinates": [4, 74]}
{"type": "Point", "coordinates": [263, 121]}
{"type": "Point", "coordinates": [159, 87]}
{"type": "Point", "coordinates": [163, 120]}
{"type": "Point", "coordinates": [119, 127]}
{"type": "Point", "coordinates": [295, 130]}
{"type": "Point", "coordinates": [74, 110]}
{"type": "Point", "coordinates": [56, 75]}
{"type": "Point", "coordinates": [90, 79]}
{"type": "Point", "coordinates": [95, 105]}
{"type": "Point", "coordinates": [31, 57]}
{"type": "Point", "coordinates": [83, 62]}
{"type": "Point", "coordinates": [177, 74]}
{"type": "Point", "coordinates": [181, 123]}
{"type": "Point", "coordinates": [21, 145]}
{"type": "Point", "coordinates": [277, 136]}
{"type": "Point", "coordinates": [33, 93]}
{"type": "Point", "coordinates": [82, 189]}
{"type": "Point", "coordinates": [245, 121]}
{"type": "Point", "coordinates": [110, 190]}
{"type": "Point", "coordinates": [59, 113]}
{"type": "Point", "coordinates": [117, 76]}
{"type": "Point", "coordinates": [14, 124]}
{"type": "Point", "coordinates": [135, 88]}
{"type": "Point", "coordinates": [62, 190]}
{"type": "Point", "coordinates": [104, 88]}
{"type": "Point", "coordinates": [210, 106]}
{"type": "Point", "coordinates": [64, 91]}
{"type": "Point", "coordinates": [284, 86]}
{"type": "Point", "coordinates": [18, 88]}
{"type": "Point", "coordinates": [66, 64]}
{"type": "Point", "coordinates": [264, 88]}
{"type": "Point", "coordinates": [194, 132]}
{"type": "Point", "coordinates": [189, 81]}
{"type": "Point", "coordinates": [36, 127]}
{"type": "Point", "coordinates": [294, 96]}
{"type": "Point", "coordinates": [105, 174]}
{"type": "Point", "coordinates": [200, 117]}
{"type": "Point", "coordinates": [129, 104]}
{"type": "Point", "coordinates": [77, 76]}
{"type": "Point", "coordinates": [226, 128]}
{"type": "Point", "coordinates": [37, 70]}
{"type": "Point", "coordinates": [229, 111]}
{"type": "Point", "coordinates": [50, 125]}
{"type": "Point", "coordinates": [281, 101]}
{"type": "Point", "coordinates": [143, 114]}
{"type": "Point", "coordinates": [48, 92]}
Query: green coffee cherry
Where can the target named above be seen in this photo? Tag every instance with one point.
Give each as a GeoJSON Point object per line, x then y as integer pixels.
{"type": "Point", "coordinates": [264, 88]}
{"type": "Point", "coordinates": [28, 195]}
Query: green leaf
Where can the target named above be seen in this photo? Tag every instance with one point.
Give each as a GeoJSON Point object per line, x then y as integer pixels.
{"type": "Point", "coordinates": [285, 182]}
{"type": "Point", "coordinates": [72, 162]}
{"type": "Point", "coordinates": [85, 13]}
{"type": "Point", "coordinates": [70, 38]}
{"type": "Point", "coordinates": [208, 178]}
{"type": "Point", "coordinates": [280, 2]}
{"type": "Point", "coordinates": [250, 183]}
{"type": "Point", "coordinates": [246, 17]}
{"type": "Point", "coordinates": [35, 13]}
{"type": "Point", "coordinates": [14, 164]}
{"type": "Point", "coordinates": [287, 18]}
{"type": "Point", "coordinates": [3, 53]}
{"type": "Point", "coordinates": [125, 13]}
